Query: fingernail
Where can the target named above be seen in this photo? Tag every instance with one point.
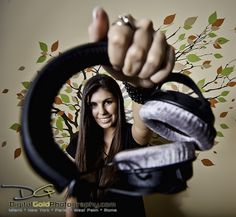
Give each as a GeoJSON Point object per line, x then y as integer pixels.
{"type": "Point", "coordinates": [96, 11]}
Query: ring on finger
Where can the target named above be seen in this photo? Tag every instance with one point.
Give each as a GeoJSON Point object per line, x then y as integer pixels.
{"type": "Point", "coordinates": [125, 21]}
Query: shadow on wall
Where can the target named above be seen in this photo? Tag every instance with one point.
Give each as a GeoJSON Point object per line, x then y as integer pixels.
{"type": "Point", "coordinates": [161, 205]}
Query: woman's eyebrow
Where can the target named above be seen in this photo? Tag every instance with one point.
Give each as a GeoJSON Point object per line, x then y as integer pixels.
{"type": "Point", "coordinates": [108, 98]}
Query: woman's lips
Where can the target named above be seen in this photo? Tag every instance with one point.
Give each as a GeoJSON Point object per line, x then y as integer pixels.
{"type": "Point", "coordinates": [105, 120]}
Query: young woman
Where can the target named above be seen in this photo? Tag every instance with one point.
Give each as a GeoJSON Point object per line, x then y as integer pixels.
{"type": "Point", "coordinates": [141, 58]}
{"type": "Point", "coordinates": [103, 133]}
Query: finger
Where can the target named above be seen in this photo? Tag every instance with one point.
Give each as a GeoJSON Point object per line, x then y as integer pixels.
{"type": "Point", "coordinates": [119, 39]}
{"type": "Point", "coordinates": [98, 29]}
{"type": "Point", "coordinates": [137, 53]}
{"type": "Point", "coordinates": [167, 67]}
{"type": "Point", "coordinates": [155, 56]}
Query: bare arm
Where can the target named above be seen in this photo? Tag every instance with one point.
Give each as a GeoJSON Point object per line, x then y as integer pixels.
{"type": "Point", "coordinates": [69, 210]}
{"type": "Point", "coordinates": [139, 56]}
{"type": "Point", "coordinates": [140, 132]}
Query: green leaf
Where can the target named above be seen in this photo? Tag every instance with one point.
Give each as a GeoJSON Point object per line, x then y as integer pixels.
{"type": "Point", "coordinates": [75, 85]}
{"type": "Point", "coordinates": [187, 27]}
{"type": "Point", "coordinates": [212, 35]}
{"type": "Point", "coordinates": [68, 89]}
{"type": "Point", "coordinates": [41, 59]}
{"type": "Point", "coordinates": [164, 31]}
{"type": "Point", "coordinates": [26, 84]}
{"type": "Point", "coordinates": [71, 107]}
{"type": "Point", "coordinates": [59, 123]}
{"type": "Point", "coordinates": [218, 56]}
{"type": "Point", "coordinates": [182, 47]}
{"type": "Point", "coordinates": [43, 46]}
{"type": "Point", "coordinates": [74, 99]}
{"type": "Point", "coordinates": [221, 99]}
{"type": "Point", "coordinates": [60, 141]}
{"type": "Point", "coordinates": [222, 40]}
{"type": "Point", "coordinates": [181, 37]}
{"type": "Point", "coordinates": [65, 135]}
{"type": "Point", "coordinates": [201, 83]}
{"type": "Point", "coordinates": [15, 127]}
{"type": "Point", "coordinates": [227, 71]}
{"type": "Point", "coordinates": [190, 21]}
{"type": "Point", "coordinates": [224, 93]}
{"type": "Point", "coordinates": [65, 98]}
{"type": "Point", "coordinates": [220, 134]}
{"type": "Point", "coordinates": [193, 58]}
{"type": "Point", "coordinates": [224, 126]}
{"type": "Point", "coordinates": [212, 18]}
{"type": "Point", "coordinates": [63, 147]}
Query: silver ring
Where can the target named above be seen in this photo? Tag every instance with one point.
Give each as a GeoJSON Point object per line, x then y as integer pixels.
{"type": "Point", "coordinates": [125, 21]}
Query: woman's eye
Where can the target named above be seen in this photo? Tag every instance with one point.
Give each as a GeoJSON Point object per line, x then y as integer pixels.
{"type": "Point", "coordinates": [108, 102]}
{"type": "Point", "coordinates": [93, 105]}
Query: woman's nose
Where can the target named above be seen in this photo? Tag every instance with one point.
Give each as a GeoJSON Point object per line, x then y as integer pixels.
{"type": "Point", "coordinates": [102, 110]}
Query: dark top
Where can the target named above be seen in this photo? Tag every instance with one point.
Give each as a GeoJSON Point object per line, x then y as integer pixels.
{"type": "Point", "coordinates": [124, 203]}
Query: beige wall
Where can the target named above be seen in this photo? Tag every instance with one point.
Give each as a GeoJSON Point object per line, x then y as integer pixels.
{"type": "Point", "coordinates": [24, 23]}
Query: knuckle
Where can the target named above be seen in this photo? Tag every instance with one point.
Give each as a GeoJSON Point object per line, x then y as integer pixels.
{"type": "Point", "coordinates": [153, 61]}
{"type": "Point", "coordinates": [117, 40]}
{"type": "Point", "coordinates": [137, 53]}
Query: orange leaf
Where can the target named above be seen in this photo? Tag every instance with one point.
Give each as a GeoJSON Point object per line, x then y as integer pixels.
{"type": "Point", "coordinates": [17, 153]}
{"type": "Point", "coordinates": [223, 114]}
{"type": "Point", "coordinates": [219, 70]}
{"type": "Point", "coordinates": [90, 69]}
{"type": "Point", "coordinates": [54, 46]}
{"type": "Point", "coordinates": [207, 62]}
{"type": "Point", "coordinates": [68, 82]}
{"type": "Point", "coordinates": [169, 19]}
{"type": "Point", "coordinates": [231, 84]}
{"type": "Point", "coordinates": [191, 39]}
{"type": "Point", "coordinates": [70, 116]}
{"type": "Point", "coordinates": [207, 162]}
{"type": "Point", "coordinates": [58, 100]}
{"type": "Point", "coordinates": [217, 45]}
{"type": "Point", "coordinates": [218, 22]}
{"type": "Point", "coordinates": [213, 102]}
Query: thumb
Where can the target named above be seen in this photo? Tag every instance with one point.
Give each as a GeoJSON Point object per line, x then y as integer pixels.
{"type": "Point", "coordinates": [98, 29]}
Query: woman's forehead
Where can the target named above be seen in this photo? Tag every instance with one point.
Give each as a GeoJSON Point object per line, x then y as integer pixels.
{"type": "Point", "coordinates": [101, 94]}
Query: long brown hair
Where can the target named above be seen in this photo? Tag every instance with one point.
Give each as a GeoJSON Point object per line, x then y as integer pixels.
{"type": "Point", "coordinates": [90, 150]}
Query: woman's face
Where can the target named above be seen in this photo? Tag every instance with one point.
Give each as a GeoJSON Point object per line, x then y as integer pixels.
{"type": "Point", "coordinates": [104, 108]}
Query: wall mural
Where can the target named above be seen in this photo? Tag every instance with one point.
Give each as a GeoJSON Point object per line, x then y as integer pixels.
{"type": "Point", "coordinates": [195, 53]}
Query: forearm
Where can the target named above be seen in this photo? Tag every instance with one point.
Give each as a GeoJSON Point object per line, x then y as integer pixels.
{"type": "Point", "coordinates": [141, 133]}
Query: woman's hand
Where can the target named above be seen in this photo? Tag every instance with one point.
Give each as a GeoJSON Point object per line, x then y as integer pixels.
{"type": "Point", "coordinates": [138, 55]}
